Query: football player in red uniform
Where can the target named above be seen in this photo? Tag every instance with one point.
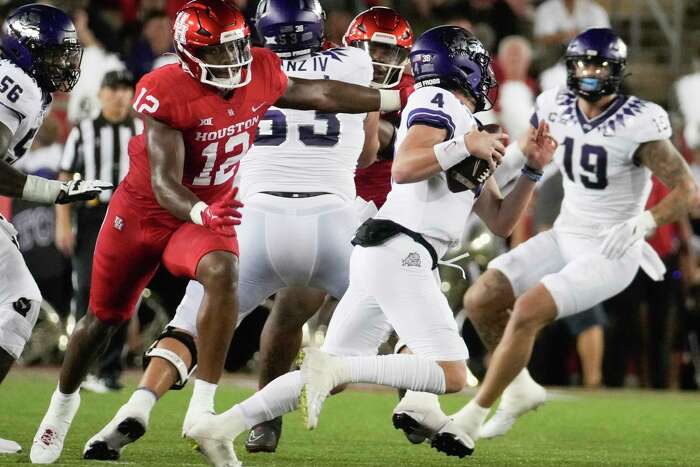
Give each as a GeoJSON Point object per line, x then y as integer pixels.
{"type": "Point", "coordinates": [387, 37]}
{"type": "Point", "coordinates": [177, 205]}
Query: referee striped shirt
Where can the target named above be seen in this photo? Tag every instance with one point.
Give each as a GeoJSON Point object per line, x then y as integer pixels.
{"type": "Point", "coordinates": [98, 149]}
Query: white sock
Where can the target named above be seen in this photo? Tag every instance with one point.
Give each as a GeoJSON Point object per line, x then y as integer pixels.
{"type": "Point", "coordinates": [277, 398]}
{"type": "Point", "coordinates": [403, 371]}
{"type": "Point", "coordinates": [203, 396]}
{"type": "Point", "coordinates": [63, 406]}
{"type": "Point", "coordinates": [422, 398]}
{"type": "Point", "coordinates": [471, 417]}
{"type": "Point", "coordinates": [144, 399]}
{"type": "Point", "coordinates": [60, 398]}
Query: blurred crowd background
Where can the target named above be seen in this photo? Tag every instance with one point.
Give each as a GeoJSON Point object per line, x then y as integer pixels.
{"type": "Point", "coordinates": [648, 336]}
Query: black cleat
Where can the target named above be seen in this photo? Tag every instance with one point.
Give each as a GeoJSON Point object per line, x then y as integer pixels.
{"type": "Point", "coordinates": [450, 444]}
{"type": "Point", "coordinates": [414, 431]}
{"type": "Point", "coordinates": [99, 450]}
{"type": "Point", "coordinates": [128, 431]}
{"type": "Point", "coordinates": [265, 436]}
{"type": "Point", "coordinates": [412, 434]}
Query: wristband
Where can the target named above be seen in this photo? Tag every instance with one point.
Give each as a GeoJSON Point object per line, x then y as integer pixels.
{"type": "Point", "coordinates": [41, 190]}
{"type": "Point", "coordinates": [533, 174]}
{"type": "Point", "coordinates": [389, 100]}
{"type": "Point", "coordinates": [196, 212]}
{"type": "Point", "coordinates": [451, 152]}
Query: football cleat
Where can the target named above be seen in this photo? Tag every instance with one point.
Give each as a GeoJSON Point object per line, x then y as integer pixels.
{"type": "Point", "coordinates": [419, 415]}
{"type": "Point", "coordinates": [514, 404]}
{"type": "Point", "coordinates": [451, 440]}
{"type": "Point", "coordinates": [411, 435]}
{"type": "Point", "coordinates": [9, 447]}
{"type": "Point", "coordinates": [321, 373]}
{"type": "Point", "coordinates": [265, 436]}
{"type": "Point", "coordinates": [126, 427]}
{"type": "Point", "coordinates": [48, 440]}
{"type": "Point", "coordinates": [213, 436]}
{"type": "Point", "coordinates": [414, 431]}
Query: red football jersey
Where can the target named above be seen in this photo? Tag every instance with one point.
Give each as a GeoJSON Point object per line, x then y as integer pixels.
{"type": "Point", "coordinates": [217, 132]}
{"type": "Point", "coordinates": [373, 183]}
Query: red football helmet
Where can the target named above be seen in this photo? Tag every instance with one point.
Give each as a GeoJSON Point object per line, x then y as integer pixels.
{"type": "Point", "coordinates": [212, 41]}
{"type": "Point", "coordinates": [387, 37]}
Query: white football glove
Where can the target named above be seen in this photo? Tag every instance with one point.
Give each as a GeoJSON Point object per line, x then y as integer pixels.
{"type": "Point", "coordinates": [619, 238]}
{"type": "Point", "coordinates": [42, 190]}
{"type": "Point", "coordinates": [78, 190]}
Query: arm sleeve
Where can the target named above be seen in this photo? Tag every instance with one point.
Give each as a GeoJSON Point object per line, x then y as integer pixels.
{"type": "Point", "coordinates": [71, 160]}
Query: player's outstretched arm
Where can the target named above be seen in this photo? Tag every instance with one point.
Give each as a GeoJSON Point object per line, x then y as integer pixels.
{"type": "Point", "coordinates": [166, 156]}
{"type": "Point", "coordinates": [15, 184]}
{"type": "Point", "coordinates": [664, 161]}
{"type": "Point", "coordinates": [337, 97]}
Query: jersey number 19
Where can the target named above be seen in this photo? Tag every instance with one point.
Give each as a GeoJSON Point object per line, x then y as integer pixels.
{"type": "Point", "coordinates": [593, 161]}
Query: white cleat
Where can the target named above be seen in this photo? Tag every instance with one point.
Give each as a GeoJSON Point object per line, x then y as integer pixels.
{"type": "Point", "coordinates": [48, 440]}
{"type": "Point", "coordinates": [419, 415]}
{"type": "Point", "coordinates": [9, 447]}
{"type": "Point", "coordinates": [128, 425]}
{"type": "Point", "coordinates": [321, 373]}
{"type": "Point", "coordinates": [213, 436]}
{"type": "Point", "coordinates": [514, 404]}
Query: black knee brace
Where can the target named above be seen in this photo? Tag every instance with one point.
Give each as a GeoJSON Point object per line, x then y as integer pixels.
{"type": "Point", "coordinates": [173, 358]}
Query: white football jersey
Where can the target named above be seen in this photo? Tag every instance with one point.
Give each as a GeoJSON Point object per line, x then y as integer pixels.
{"type": "Point", "coordinates": [23, 106]}
{"type": "Point", "coordinates": [429, 207]}
{"type": "Point", "coordinates": [308, 150]}
{"type": "Point", "coordinates": [603, 183]}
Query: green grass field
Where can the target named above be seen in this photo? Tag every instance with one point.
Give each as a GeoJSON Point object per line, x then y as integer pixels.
{"type": "Point", "coordinates": [575, 428]}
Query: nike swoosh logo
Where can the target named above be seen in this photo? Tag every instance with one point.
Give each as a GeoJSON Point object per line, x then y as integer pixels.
{"type": "Point", "coordinates": [252, 438]}
{"type": "Point", "coordinates": [256, 108]}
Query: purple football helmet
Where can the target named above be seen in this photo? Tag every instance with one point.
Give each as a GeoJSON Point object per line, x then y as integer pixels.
{"type": "Point", "coordinates": [453, 58]}
{"type": "Point", "coordinates": [291, 28]}
{"type": "Point", "coordinates": [601, 56]}
{"type": "Point", "coordinates": [42, 40]}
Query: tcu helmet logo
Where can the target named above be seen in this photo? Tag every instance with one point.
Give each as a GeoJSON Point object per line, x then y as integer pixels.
{"type": "Point", "coordinates": [181, 27]}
